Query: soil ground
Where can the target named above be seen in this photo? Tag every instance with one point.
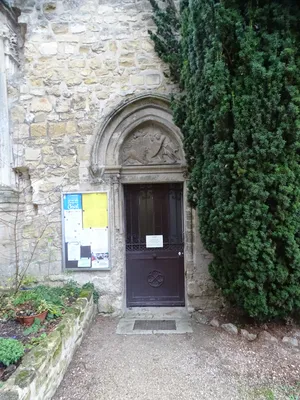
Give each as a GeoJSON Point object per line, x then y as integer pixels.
{"type": "Point", "coordinates": [207, 364]}
{"type": "Point", "coordinates": [13, 329]}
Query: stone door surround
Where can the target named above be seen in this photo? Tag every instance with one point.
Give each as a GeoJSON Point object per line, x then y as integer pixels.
{"type": "Point", "coordinates": [139, 143]}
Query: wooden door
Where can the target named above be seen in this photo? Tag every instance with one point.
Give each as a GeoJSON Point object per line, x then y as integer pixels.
{"type": "Point", "coordinates": [154, 275]}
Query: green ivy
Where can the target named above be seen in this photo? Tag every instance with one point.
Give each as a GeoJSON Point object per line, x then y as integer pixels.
{"type": "Point", "coordinates": [239, 111]}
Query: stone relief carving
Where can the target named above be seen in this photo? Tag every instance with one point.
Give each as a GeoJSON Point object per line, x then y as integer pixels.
{"type": "Point", "coordinates": [10, 48]}
{"type": "Point", "coordinates": [150, 145]}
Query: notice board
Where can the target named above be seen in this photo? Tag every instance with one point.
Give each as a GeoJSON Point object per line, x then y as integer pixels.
{"type": "Point", "coordinates": [85, 230]}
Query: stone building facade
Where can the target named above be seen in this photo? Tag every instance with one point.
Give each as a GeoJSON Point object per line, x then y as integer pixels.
{"type": "Point", "coordinates": [87, 110]}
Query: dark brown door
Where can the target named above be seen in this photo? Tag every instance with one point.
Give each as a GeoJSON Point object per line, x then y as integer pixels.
{"type": "Point", "coordinates": [154, 275]}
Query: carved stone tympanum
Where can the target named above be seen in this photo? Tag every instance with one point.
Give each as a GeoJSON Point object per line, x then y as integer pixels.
{"type": "Point", "coordinates": [150, 145]}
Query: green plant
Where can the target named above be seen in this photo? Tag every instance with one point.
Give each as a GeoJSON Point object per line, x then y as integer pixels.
{"type": "Point", "coordinates": [34, 328]}
{"type": "Point", "coordinates": [239, 112]}
{"type": "Point", "coordinates": [53, 309]}
{"type": "Point", "coordinates": [11, 350]}
{"type": "Point", "coordinates": [293, 392]}
{"type": "Point", "coordinates": [38, 300]}
{"type": "Point", "coordinates": [91, 286]}
{"type": "Point", "coordinates": [25, 297]}
{"type": "Point", "coordinates": [35, 341]}
{"type": "Point", "coordinates": [28, 280]}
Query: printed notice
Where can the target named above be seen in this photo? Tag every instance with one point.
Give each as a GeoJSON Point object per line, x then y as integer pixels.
{"type": "Point", "coordinates": [72, 202]}
{"type": "Point", "coordinates": [73, 225]}
{"type": "Point", "coordinates": [154, 241]}
{"type": "Point", "coordinates": [84, 262]}
{"type": "Point", "coordinates": [73, 251]}
{"type": "Point", "coordinates": [95, 213]}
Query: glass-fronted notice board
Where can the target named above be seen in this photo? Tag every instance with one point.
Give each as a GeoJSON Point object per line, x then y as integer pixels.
{"type": "Point", "coordinates": [85, 230]}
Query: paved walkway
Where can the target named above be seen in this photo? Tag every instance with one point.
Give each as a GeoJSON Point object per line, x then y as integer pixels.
{"type": "Point", "coordinates": [207, 364]}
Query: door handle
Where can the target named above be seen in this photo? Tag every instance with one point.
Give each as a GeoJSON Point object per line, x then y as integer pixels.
{"type": "Point", "coordinates": [180, 253]}
{"type": "Point", "coordinates": [154, 256]}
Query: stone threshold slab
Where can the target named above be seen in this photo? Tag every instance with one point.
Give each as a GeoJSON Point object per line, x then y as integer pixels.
{"type": "Point", "coordinates": [158, 313]}
{"type": "Point", "coordinates": [126, 327]}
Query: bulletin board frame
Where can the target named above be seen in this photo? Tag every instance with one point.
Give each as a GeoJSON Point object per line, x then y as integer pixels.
{"type": "Point", "coordinates": [64, 252]}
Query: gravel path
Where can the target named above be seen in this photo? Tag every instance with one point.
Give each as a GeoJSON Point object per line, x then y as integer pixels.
{"type": "Point", "coordinates": [208, 364]}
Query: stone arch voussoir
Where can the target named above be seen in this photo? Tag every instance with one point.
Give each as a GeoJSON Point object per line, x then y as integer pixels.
{"type": "Point", "coordinates": [139, 131]}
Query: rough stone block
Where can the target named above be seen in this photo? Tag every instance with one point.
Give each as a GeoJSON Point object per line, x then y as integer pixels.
{"type": "Point", "coordinates": [247, 335]}
{"type": "Point", "coordinates": [290, 341]}
{"type": "Point", "coordinates": [9, 395]}
{"type": "Point", "coordinates": [137, 80]}
{"type": "Point", "coordinates": [38, 130]}
{"type": "Point", "coordinates": [230, 328]}
{"type": "Point", "coordinates": [40, 117]}
{"type": "Point", "coordinates": [69, 161]}
{"type": "Point", "coordinates": [77, 63]}
{"type": "Point", "coordinates": [17, 114]}
{"type": "Point", "coordinates": [153, 79]}
{"type": "Point", "coordinates": [266, 336]}
{"type": "Point", "coordinates": [48, 49]}
{"type": "Point", "coordinates": [70, 49]}
{"type": "Point", "coordinates": [24, 376]}
{"type": "Point", "coordinates": [60, 28]}
{"type": "Point", "coordinates": [57, 129]}
{"type": "Point", "coordinates": [215, 323]}
{"type": "Point", "coordinates": [22, 131]}
{"type": "Point", "coordinates": [71, 127]}
{"type": "Point", "coordinates": [32, 154]}
{"type": "Point", "coordinates": [127, 62]}
{"type": "Point", "coordinates": [41, 104]}
{"type": "Point", "coordinates": [78, 28]}
{"type": "Point", "coordinates": [63, 107]}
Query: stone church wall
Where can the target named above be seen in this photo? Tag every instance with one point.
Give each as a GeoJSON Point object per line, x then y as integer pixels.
{"type": "Point", "coordinates": [82, 58]}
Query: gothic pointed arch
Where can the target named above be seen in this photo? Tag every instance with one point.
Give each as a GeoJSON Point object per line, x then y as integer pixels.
{"type": "Point", "coordinates": [140, 132]}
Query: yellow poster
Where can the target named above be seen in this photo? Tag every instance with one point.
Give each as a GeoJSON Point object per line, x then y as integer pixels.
{"type": "Point", "coordinates": [95, 210]}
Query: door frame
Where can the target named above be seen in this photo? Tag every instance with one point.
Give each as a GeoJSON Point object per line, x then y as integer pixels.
{"type": "Point", "coordinates": [152, 175]}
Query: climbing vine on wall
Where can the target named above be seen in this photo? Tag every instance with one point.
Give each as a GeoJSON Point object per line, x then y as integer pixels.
{"type": "Point", "coordinates": [238, 64]}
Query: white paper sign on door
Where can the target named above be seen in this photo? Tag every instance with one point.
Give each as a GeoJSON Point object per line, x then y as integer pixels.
{"type": "Point", "coordinates": [154, 241]}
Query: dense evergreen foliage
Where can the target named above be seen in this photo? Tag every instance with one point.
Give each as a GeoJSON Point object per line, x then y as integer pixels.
{"type": "Point", "coordinates": [239, 111]}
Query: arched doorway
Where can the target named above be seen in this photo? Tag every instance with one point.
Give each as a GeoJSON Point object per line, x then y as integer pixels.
{"type": "Point", "coordinates": [139, 153]}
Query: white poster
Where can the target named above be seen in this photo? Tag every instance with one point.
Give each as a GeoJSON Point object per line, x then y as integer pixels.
{"type": "Point", "coordinates": [73, 251]}
{"type": "Point", "coordinates": [73, 225]}
{"type": "Point", "coordinates": [96, 238]}
{"type": "Point", "coordinates": [99, 240]}
{"type": "Point", "coordinates": [154, 241]}
{"type": "Point", "coordinates": [85, 237]}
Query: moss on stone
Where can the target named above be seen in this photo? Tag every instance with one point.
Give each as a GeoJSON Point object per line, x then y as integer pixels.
{"type": "Point", "coordinates": [81, 318]}
{"type": "Point", "coordinates": [56, 354]}
{"type": "Point", "coordinates": [24, 377]}
{"type": "Point", "coordinates": [76, 311]}
{"type": "Point", "coordinates": [35, 358]}
{"type": "Point", "coordinates": [85, 293]}
{"type": "Point", "coordinates": [61, 327]}
{"type": "Point", "coordinates": [54, 341]}
{"type": "Point", "coordinates": [65, 329]}
{"type": "Point", "coordinates": [82, 303]}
